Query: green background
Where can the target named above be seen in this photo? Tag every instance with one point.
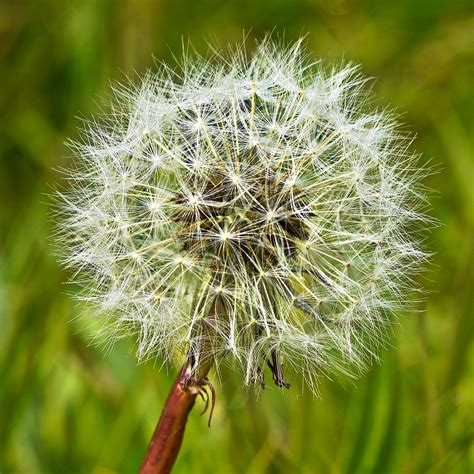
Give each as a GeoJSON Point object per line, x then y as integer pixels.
{"type": "Point", "coordinates": [67, 406]}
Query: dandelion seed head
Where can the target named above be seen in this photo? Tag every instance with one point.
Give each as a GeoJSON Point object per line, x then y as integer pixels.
{"type": "Point", "coordinates": [264, 181]}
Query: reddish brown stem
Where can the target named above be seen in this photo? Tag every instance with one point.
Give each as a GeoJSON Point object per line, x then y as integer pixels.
{"type": "Point", "coordinates": [166, 440]}
{"type": "Point", "coordinates": [168, 436]}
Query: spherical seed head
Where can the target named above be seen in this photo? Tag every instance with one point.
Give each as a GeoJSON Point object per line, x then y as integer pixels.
{"type": "Point", "coordinates": [259, 184]}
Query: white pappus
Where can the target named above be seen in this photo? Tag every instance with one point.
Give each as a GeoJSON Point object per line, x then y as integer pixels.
{"type": "Point", "coordinates": [260, 183]}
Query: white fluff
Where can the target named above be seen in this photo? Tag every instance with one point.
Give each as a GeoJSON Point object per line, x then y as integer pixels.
{"type": "Point", "coordinates": [263, 182]}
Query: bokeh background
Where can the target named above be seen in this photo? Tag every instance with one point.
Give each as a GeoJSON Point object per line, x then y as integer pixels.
{"type": "Point", "coordinates": [67, 406]}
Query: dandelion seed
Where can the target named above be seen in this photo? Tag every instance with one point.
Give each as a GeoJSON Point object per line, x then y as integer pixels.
{"type": "Point", "coordinates": [224, 235]}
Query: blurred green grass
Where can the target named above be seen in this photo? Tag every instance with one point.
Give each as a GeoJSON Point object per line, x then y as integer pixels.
{"type": "Point", "coordinates": [69, 407]}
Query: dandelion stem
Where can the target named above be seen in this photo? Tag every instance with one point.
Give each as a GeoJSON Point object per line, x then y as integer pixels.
{"type": "Point", "coordinates": [192, 381]}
